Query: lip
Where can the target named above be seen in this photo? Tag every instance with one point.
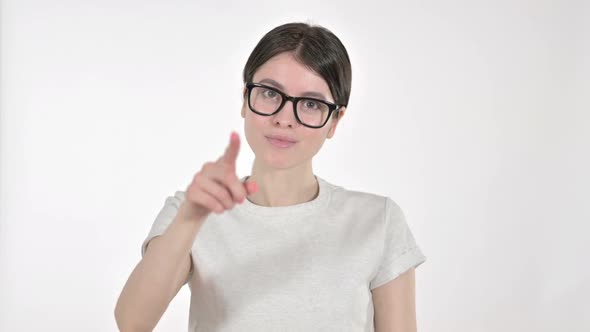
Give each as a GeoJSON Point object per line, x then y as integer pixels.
{"type": "Point", "coordinates": [280, 141]}
{"type": "Point", "coordinates": [282, 138]}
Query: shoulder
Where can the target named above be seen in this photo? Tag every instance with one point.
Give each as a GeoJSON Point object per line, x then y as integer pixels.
{"type": "Point", "coordinates": [362, 200]}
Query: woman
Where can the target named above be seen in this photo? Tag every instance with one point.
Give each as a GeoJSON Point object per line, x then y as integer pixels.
{"type": "Point", "coordinates": [284, 250]}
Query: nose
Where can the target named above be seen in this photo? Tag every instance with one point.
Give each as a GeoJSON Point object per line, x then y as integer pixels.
{"type": "Point", "coordinates": [286, 116]}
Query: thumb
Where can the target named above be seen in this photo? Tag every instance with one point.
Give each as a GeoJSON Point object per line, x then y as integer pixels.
{"type": "Point", "coordinates": [251, 187]}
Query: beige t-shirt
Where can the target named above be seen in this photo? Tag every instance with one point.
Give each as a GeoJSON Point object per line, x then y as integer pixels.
{"type": "Point", "coordinates": [305, 267]}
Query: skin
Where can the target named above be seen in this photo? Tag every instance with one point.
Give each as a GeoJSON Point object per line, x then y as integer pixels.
{"type": "Point", "coordinates": [395, 304]}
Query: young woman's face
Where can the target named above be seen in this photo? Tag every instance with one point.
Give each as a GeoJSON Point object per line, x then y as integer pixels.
{"type": "Point", "coordinates": [284, 72]}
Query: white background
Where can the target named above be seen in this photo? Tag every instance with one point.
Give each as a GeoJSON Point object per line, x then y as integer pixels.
{"type": "Point", "coordinates": [472, 115]}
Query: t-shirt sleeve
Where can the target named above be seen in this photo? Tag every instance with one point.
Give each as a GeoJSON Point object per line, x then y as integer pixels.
{"type": "Point", "coordinates": [164, 218]}
{"type": "Point", "coordinates": [400, 249]}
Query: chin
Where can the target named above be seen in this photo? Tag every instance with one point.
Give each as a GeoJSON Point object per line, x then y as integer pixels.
{"type": "Point", "coordinates": [276, 161]}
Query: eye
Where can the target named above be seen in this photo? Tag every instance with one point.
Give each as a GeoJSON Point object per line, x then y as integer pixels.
{"type": "Point", "coordinates": [310, 104]}
{"type": "Point", "coordinates": [269, 93]}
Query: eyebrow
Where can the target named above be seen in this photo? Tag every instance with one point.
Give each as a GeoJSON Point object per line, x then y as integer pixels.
{"type": "Point", "coordinates": [278, 85]}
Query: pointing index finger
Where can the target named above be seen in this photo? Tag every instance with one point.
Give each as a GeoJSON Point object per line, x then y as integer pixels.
{"type": "Point", "coordinates": [231, 152]}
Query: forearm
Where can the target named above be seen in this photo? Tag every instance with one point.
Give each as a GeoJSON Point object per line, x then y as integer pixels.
{"type": "Point", "coordinates": [157, 277]}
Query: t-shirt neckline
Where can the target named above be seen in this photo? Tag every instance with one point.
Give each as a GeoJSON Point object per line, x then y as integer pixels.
{"type": "Point", "coordinates": [313, 206]}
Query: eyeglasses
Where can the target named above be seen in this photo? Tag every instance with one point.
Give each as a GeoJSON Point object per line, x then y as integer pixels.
{"type": "Point", "coordinates": [310, 112]}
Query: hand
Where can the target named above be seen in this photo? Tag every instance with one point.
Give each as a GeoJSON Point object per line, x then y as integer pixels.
{"type": "Point", "coordinates": [216, 187]}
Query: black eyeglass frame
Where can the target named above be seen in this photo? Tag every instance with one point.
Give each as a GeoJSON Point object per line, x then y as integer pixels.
{"type": "Point", "coordinates": [295, 100]}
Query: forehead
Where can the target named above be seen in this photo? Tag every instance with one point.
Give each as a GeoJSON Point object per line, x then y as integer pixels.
{"type": "Point", "coordinates": [294, 77]}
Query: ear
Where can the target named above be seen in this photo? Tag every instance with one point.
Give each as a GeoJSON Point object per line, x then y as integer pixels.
{"type": "Point", "coordinates": [335, 122]}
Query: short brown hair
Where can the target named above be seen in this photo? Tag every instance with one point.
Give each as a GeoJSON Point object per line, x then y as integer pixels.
{"type": "Point", "coordinates": [314, 46]}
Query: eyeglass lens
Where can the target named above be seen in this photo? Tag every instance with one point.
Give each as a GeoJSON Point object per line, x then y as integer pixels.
{"type": "Point", "coordinates": [310, 112]}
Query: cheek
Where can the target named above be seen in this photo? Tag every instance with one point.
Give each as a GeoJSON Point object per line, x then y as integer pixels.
{"type": "Point", "coordinates": [254, 121]}
{"type": "Point", "coordinates": [313, 140]}
{"type": "Point", "coordinates": [253, 129]}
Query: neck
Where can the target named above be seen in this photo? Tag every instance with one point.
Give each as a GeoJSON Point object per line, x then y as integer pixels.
{"type": "Point", "coordinates": [283, 187]}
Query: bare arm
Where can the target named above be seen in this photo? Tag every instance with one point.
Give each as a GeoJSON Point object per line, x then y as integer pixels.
{"type": "Point", "coordinates": [158, 277]}
{"type": "Point", "coordinates": [395, 304]}
{"type": "Point", "coordinates": [165, 267]}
